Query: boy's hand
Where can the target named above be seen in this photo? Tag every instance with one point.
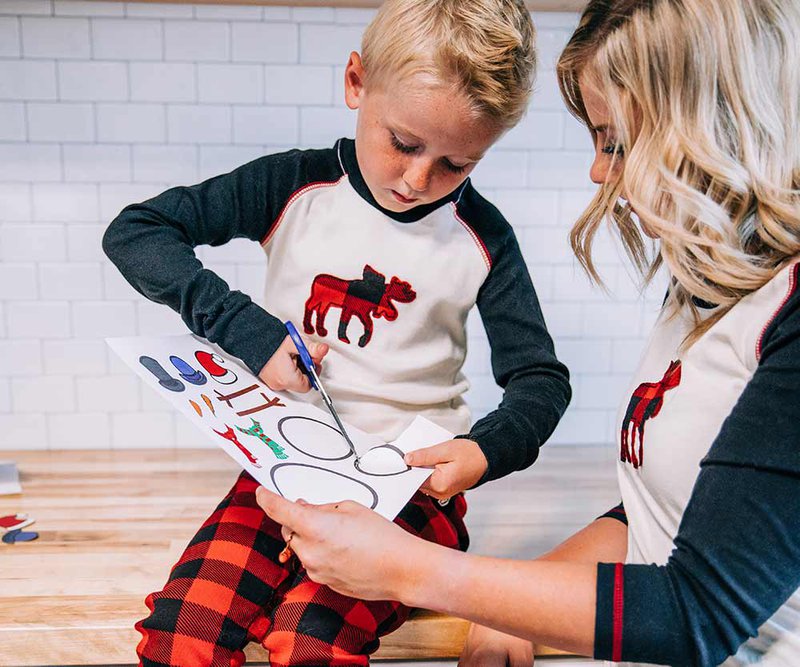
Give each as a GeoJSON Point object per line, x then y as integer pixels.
{"type": "Point", "coordinates": [459, 464]}
{"type": "Point", "coordinates": [282, 371]}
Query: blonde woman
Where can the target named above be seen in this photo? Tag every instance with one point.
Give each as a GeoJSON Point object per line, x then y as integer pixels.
{"type": "Point", "coordinates": [694, 110]}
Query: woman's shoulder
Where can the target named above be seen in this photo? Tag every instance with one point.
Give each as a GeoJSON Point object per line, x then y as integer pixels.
{"type": "Point", "coordinates": [783, 294]}
{"type": "Point", "coordinates": [752, 322]}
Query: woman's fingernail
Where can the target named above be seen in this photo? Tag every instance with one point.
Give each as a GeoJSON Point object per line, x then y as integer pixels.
{"type": "Point", "coordinates": [408, 459]}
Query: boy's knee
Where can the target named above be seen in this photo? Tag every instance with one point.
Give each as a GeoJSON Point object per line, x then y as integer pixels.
{"type": "Point", "coordinates": [315, 625]}
{"type": "Point", "coordinates": [243, 491]}
{"type": "Point", "coordinates": [424, 517]}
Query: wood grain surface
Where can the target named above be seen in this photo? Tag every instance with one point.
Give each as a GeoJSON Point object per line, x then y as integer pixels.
{"type": "Point", "coordinates": [111, 524]}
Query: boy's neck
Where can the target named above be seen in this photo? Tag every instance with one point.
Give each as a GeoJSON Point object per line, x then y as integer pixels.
{"type": "Point", "coordinates": [347, 155]}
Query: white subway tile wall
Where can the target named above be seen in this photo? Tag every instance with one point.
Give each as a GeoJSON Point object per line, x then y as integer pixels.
{"type": "Point", "coordinates": [107, 103]}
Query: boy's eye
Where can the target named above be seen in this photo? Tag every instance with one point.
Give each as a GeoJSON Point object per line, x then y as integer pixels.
{"type": "Point", "coordinates": [405, 148]}
{"type": "Point", "coordinates": [456, 169]}
{"type": "Point", "coordinates": [400, 146]}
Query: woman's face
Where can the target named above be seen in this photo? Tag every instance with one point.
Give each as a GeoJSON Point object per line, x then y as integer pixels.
{"type": "Point", "coordinates": [608, 152]}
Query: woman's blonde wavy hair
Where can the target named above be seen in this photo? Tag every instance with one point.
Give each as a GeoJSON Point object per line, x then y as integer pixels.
{"type": "Point", "coordinates": [485, 48]}
{"type": "Point", "coordinates": [705, 98]}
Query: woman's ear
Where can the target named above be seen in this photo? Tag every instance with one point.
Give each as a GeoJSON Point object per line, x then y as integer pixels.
{"type": "Point", "coordinates": [353, 81]}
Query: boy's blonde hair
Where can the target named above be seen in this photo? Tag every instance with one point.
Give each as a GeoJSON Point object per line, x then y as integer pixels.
{"type": "Point", "coordinates": [485, 48]}
{"type": "Point", "coordinates": [705, 99]}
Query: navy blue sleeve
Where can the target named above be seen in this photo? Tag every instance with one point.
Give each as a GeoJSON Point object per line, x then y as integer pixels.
{"type": "Point", "coordinates": [737, 552]}
{"type": "Point", "coordinates": [152, 244]}
{"type": "Point", "coordinates": [535, 383]}
{"type": "Point", "coordinates": [617, 513]}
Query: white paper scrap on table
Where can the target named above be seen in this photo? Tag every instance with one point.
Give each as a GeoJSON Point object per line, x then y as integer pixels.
{"type": "Point", "coordinates": [286, 444]}
{"type": "Point", "coordinates": [9, 479]}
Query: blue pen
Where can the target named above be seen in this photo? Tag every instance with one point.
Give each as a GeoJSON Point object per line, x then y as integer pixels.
{"type": "Point", "coordinates": [308, 367]}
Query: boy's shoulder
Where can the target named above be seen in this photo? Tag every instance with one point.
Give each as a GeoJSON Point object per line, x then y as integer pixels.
{"type": "Point", "coordinates": [275, 180]}
{"type": "Point", "coordinates": [300, 167]}
{"type": "Point", "coordinates": [485, 219]}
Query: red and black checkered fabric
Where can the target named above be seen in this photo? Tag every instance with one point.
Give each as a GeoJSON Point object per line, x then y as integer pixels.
{"type": "Point", "coordinates": [229, 589]}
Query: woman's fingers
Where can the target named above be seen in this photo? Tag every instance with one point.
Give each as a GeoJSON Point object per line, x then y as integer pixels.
{"type": "Point", "coordinates": [282, 511]}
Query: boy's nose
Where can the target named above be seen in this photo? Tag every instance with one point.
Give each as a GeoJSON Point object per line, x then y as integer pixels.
{"type": "Point", "coordinates": [418, 175]}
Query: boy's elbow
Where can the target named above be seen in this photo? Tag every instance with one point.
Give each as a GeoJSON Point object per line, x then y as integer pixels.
{"type": "Point", "coordinates": [109, 242]}
{"type": "Point", "coordinates": [560, 383]}
{"type": "Point", "coordinates": [566, 389]}
{"type": "Point", "coordinates": [561, 392]}
{"type": "Point", "coordinates": [114, 239]}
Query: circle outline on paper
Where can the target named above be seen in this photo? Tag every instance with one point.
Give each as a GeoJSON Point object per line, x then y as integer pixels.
{"type": "Point", "coordinates": [275, 468]}
{"type": "Point", "coordinates": [302, 451]}
{"type": "Point", "coordinates": [357, 463]}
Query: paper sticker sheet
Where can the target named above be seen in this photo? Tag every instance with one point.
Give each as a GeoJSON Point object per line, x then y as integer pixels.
{"type": "Point", "coordinates": [289, 446]}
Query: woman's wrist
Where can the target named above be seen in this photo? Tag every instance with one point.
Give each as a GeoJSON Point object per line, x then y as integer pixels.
{"type": "Point", "coordinates": [424, 575]}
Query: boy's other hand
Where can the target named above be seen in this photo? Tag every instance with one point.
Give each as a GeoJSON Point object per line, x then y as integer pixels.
{"type": "Point", "coordinates": [490, 648]}
{"type": "Point", "coordinates": [459, 464]}
{"type": "Point", "coordinates": [282, 371]}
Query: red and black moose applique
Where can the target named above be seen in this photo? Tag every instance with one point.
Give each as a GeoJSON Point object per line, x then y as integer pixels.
{"type": "Point", "coordinates": [366, 297]}
{"type": "Point", "coordinates": [645, 404]}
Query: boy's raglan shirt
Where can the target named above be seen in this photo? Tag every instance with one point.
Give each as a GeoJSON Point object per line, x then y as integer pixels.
{"type": "Point", "coordinates": [709, 470]}
{"type": "Point", "coordinates": [389, 292]}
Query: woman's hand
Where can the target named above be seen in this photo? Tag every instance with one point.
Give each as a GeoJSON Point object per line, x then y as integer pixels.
{"type": "Point", "coordinates": [459, 464]}
{"type": "Point", "coordinates": [489, 648]}
{"type": "Point", "coordinates": [282, 373]}
{"type": "Point", "coordinates": [347, 546]}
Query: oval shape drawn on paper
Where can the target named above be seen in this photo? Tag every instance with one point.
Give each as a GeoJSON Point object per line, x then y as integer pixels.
{"type": "Point", "coordinates": [314, 438]}
{"type": "Point", "coordinates": [382, 461]}
{"type": "Point", "coordinates": [319, 486]}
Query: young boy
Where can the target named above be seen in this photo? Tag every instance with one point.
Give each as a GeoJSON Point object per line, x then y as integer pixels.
{"type": "Point", "coordinates": [387, 237]}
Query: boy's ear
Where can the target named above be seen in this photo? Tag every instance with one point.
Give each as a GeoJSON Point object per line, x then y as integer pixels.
{"type": "Point", "coordinates": [353, 81]}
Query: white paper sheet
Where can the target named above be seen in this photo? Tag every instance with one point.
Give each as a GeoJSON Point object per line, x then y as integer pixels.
{"type": "Point", "coordinates": [289, 446]}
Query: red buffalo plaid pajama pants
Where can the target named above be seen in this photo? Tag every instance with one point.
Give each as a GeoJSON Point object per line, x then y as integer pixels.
{"type": "Point", "coordinates": [229, 589]}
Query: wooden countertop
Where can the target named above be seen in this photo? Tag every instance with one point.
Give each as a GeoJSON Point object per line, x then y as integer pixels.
{"type": "Point", "coordinates": [111, 524]}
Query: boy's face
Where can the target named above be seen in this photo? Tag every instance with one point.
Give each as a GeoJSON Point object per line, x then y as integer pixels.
{"type": "Point", "coordinates": [415, 142]}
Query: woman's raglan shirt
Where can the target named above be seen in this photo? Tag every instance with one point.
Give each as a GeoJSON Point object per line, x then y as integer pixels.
{"type": "Point", "coordinates": [709, 470]}
{"type": "Point", "coordinates": [389, 292]}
